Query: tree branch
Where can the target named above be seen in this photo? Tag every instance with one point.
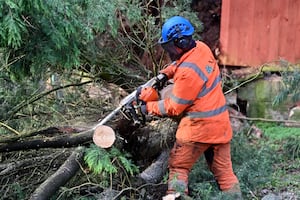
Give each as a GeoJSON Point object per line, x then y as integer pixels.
{"type": "Point", "coordinates": [54, 142]}
{"type": "Point", "coordinates": [266, 120]}
{"type": "Point", "coordinates": [41, 95]}
{"type": "Point", "coordinates": [13, 166]}
{"type": "Point", "coordinates": [47, 131]}
{"type": "Point", "coordinates": [48, 188]}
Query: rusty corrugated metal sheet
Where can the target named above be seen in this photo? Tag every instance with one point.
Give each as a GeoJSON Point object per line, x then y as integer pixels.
{"type": "Point", "coordinates": [254, 32]}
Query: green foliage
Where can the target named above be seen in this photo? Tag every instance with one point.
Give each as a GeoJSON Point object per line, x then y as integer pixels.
{"type": "Point", "coordinates": [18, 192]}
{"type": "Point", "coordinates": [101, 161]}
{"type": "Point", "coordinates": [291, 82]}
{"type": "Point", "coordinates": [286, 138]}
{"type": "Point", "coordinates": [284, 143]}
{"type": "Point", "coordinates": [52, 33]}
{"type": "Point", "coordinates": [277, 132]}
{"type": "Point", "coordinates": [40, 35]}
{"type": "Point", "coordinates": [291, 147]}
{"type": "Point", "coordinates": [183, 8]}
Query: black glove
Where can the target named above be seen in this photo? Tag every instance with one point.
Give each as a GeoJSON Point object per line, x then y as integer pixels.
{"type": "Point", "coordinates": [140, 106]}
{"type": "Point", "coordinates": [161, 80]}
{"type": "Point", "coordinates": [143, 109]}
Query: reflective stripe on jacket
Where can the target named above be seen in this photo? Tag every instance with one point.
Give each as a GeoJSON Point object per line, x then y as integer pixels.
{"type": "Point", "coordinates": [197, 94]}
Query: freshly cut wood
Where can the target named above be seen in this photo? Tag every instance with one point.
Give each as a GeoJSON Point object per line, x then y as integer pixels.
{"type": "Point", "coordinates": [104, 136]}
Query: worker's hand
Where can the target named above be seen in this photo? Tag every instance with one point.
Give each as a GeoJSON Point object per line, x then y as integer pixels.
{"type": "Point", "coordinates": [143, 109]}
{"type": "Point", "coordinates": [135, 112]}
{"type": "Point", "coordinates": [146, 94]}
{"type": "Point", "coordinates": [161, 80]}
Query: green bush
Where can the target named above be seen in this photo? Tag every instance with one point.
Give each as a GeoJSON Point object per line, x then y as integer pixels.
{"type": "Point", "coordinates": [275, 131]}
{"type": "Point", "coordinates": [290, 83]}
{"type": "Point", "coordinates": [291, 147]}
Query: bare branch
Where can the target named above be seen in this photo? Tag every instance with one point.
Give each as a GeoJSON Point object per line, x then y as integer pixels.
{"type": "Point", "coordinates": [60, 177]}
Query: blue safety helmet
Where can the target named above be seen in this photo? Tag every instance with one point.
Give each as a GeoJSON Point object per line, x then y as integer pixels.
{"type": "Point", "coordinates": [175, 28]}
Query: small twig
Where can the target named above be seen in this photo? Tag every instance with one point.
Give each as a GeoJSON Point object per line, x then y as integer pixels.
{"type": "Point", "coordinates": [27, 22]}
{"type": "Point", "coordinates": [265, 120]}
{"type": "Point", "coordinates": [127, 34]}
{"type": "Point", "coordinates": [247, 81]}
{"type": "Point", "coordinates": [124, 190]}
{"type": "Point", "coordinates": [41, 95]}
{"type": "Point", "coordinates": [135, 189]}
{"type": "Point", "coordinates": [10, 128]}
{"type": "Point", "coordinates": [77, 187]}
{"type": "Point", "coordinates": [56, 156]}
{"type": "Point", "coordinates": [253, 195]}
{"type": "Point", "coordinates": [33, 172]}
{"type": "Point", "coordinates": [16, 59]}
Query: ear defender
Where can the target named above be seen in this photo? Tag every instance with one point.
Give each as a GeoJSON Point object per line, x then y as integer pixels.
{"type": "Point", "coordinates": [181, 42]}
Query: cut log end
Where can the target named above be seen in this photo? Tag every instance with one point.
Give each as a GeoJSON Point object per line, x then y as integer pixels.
{"type": "Point", "coordinates": [104, 136]}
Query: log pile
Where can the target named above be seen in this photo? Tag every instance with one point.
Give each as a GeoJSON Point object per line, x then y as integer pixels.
{"type": "Point", "coordinates": [51, 157]}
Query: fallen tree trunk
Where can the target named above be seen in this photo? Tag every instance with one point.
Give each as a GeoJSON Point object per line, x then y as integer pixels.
{"type": "Point", "coordinates": [53, 142]}
{"type": "Point", "coordinates": [145, 144]}
{"type": "Point", "coordinates": [45, 132]}
{"type": "Point", "coordinates": [48, 188]}
{"type": "Point", "coordinates": [155, 172]}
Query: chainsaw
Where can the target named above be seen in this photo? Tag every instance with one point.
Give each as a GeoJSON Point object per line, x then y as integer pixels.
{"type": "Point", "coordinates": [104, 136]}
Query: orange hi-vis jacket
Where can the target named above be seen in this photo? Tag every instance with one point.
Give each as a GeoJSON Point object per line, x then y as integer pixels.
{"type": "Point", "coordinates": [197, 95]}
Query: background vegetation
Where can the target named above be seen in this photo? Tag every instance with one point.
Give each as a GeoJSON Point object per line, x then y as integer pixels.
{"type": "Point", "coordinates": [49, 51]}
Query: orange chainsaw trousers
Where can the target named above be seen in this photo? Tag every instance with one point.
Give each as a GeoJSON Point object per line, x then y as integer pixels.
{"type": "Point", "coordinates": [184, 155]}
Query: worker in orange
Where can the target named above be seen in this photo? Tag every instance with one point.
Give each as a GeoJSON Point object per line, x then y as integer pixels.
{"type": "Point", "coordinates": [197, 96]}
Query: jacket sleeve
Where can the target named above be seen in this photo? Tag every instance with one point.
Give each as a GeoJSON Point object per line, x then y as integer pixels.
{"type": "Point", "coordinates": [186, 89]}
{"type": "Point", "coordinates": [169, 71]}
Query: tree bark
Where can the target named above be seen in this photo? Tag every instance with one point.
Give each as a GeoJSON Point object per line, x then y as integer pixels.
{"type": "Point", "coordinates": [48, 188]}
{"type": "Point", "coordinates": [145, 144]}
{"type": "Point", "coordinates": [50, 131]}
{"type": "Point", "coordinates": [155, 172]}
{"type": "Point", "coordinates": [54, 142]}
